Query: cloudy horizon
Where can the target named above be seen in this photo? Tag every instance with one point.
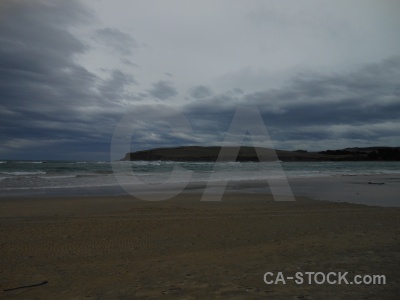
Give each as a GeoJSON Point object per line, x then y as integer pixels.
{"type": "Point", "coordinates": [324, 75]}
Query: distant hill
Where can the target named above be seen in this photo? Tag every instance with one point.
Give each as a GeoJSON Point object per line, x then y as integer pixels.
{"type": "Point", "coordinates": [210, 154]}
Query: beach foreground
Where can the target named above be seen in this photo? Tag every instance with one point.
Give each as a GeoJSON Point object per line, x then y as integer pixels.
{"type": "Point", "coordinates": [125, 248]}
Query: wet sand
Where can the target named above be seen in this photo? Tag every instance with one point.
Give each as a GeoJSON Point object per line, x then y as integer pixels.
{"type": "Point", "coordinates": [123, 248]}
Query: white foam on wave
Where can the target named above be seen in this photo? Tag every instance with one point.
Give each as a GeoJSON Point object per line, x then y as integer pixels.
{"type": "Point", "coordinates": [23, 173]}
{"type": "Point", "coordinates": [146, 163]}
{"type": "Point", "coordinates": [28, 162]}
{"type": "Point", "coordinates": [49, 177]}
{"type": "Point", "coordinates": [58, 187]}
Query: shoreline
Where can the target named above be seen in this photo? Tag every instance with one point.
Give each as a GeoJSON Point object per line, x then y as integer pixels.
{"type": "Point", "coordinates": [374, 190]}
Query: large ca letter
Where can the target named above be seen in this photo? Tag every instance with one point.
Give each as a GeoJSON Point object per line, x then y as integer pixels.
{"type": "Point", "coordinates": [121, 143]}
{"type": "Point", "coordinates": [248, 119]}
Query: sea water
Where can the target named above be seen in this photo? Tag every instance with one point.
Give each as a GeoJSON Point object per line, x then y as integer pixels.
{"type": "Point", "coordinates": [30, 176]}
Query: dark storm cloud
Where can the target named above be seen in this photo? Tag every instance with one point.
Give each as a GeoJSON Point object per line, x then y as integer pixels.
{"type": "Point", "coordinates": [200, 92]}
{"type": "Point", "coordinates": [51, 105]}
{"type": "Point", "coordinates": [116, 40]}
{"type": "Point", "coordinates": [44, 95]}
{"type": "Point", "coordinates": [363, 105]}
{"type": "Point", "coordinates": [37, 57]}
{"type": "Point", "coordinates": [163, 90]}
{"type": "Point", "coordinates": [113, 88]}
{"type": "Point", "coordinates": [368, 95]}
{"type": "Point", "coordinates": [153, 126]}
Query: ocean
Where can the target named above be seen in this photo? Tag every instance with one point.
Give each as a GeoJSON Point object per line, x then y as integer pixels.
{"type": "Point", "coordinates": [99, 177]}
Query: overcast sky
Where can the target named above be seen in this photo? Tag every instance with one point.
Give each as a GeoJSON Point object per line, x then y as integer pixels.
{"type": "Point", "coordinates": [324, 74]}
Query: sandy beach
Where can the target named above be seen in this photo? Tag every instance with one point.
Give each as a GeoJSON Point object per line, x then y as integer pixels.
{"type": "Point", "coordinates": [124, 248]}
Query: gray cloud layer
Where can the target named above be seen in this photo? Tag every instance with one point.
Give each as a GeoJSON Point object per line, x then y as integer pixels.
{"type": "Point", "coordinates": [313, 111]}
{"type": "Point", "coordinates": [200, 92]}
{"type": "Point", "coordinates": [321, 110]}
{"type": "Point", "coordinates": [52, 107]}
{"type": "Point", "coordinates": [45, 97]}
{"type": "Point", "coordinates": [117, 41]}
{"type": "Point", "coordinates": [163, 90]}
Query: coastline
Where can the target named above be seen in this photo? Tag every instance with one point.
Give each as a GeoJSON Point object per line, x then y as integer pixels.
{"type": "Point", "coordinates": [118, 246]}
{"type": "Point", "coordinates": [372, 189]}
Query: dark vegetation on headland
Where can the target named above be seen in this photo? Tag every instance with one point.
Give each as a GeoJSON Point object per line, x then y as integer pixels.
{"type": "Point", "coordinates": [210, 154]}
